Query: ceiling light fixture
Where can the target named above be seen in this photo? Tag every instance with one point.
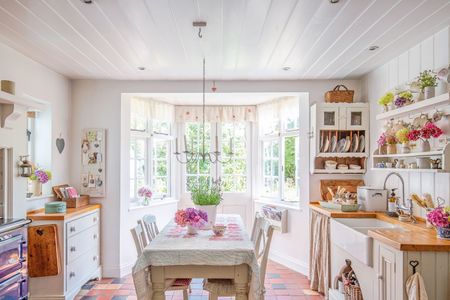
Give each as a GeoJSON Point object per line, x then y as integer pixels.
{"type": "Point", "coordinates": [373, 48]}
{"type": "Point", "coordinates": [87, 1]}
{"type": "Point", "coordinates": [286, 68]}
{"type": "Point", "coordinates": [189, 156]}
{"type": "Point", "coordinates": [334, 1]}
{"type": "Point", "coordinates": [141, 68]}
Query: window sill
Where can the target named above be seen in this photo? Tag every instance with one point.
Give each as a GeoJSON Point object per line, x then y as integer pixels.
{"type": "Point", "coordinates": [40, 197]}
{"type": "Point", "coordinates": [282, 204]}
{"type": "Point", "coordinates": [154, 203]}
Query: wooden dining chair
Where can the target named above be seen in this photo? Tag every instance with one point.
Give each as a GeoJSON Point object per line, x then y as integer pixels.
{"type": "Point", "coordinates": [178, 284]}
{"type": "Point", "coordinates": [256, 225]}
{"type": "Point", "coordinates": [263, 239]}
{"type": "Point", "coordinates": [148, 222]}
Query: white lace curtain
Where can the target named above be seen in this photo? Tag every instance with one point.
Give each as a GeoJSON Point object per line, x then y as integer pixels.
{"type": "Point", "coordinates": [216, 113]}
{"type": "Point", "coordinates": [278, 109]}
{"type": "Point", "coordinates": [150, 108]}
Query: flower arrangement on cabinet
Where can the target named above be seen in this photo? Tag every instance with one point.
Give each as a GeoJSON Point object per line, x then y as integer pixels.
{"type": "Point", "coordinates": [440, 219]}
{"type": "Point", "coordinates": [424, 134]}
{"type": "Point", "coordinates": [41, 175]}
{"type": "Point", "coordinates": [403, 98]}
{"type": "Point", "coordinates": [191, 217]}
{"type": "Point", "coordinates": [386, 100]}
{"type": "Point", "coordinates": [146, 194]}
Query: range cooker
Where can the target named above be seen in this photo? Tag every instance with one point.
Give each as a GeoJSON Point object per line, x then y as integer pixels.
{"type": "Point", "coordinates": [13, 259]}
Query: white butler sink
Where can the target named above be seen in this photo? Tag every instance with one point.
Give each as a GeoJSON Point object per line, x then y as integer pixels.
{"type": "Point", "coordinates": [351, 236]}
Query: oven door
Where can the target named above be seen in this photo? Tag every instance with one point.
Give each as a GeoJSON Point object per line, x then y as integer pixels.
{"type": "Point", "coordinates": [11, 254]}
{"type": "Point", "coordinates": [14, 288]}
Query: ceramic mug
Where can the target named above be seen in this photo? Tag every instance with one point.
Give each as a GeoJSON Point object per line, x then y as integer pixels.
{"type": "Point", "coordinates": [388, 165]}
{"type": "Point", "coordinates": [423, 162]}
{"type": "Point", "coordinates": [412, 165]}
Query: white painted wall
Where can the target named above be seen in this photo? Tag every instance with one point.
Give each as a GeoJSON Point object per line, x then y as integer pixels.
{"type": "Point", "coordinates": [97, 103]}
{"type": "Point", "coordinates": [432, 53]}
{"type": "Point", "coordinates": [38, 81]}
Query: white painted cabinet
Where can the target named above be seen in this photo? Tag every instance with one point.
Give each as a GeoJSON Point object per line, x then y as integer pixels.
{"type": "Point", "coordinates": [386, 274]}
{"type": "Point", "coordinates": [340, 116]}
{"type": "Point", "coordinates": [79, 251]}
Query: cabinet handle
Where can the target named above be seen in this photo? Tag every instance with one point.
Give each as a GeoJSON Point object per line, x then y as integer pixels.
{"type": "Point", "coordinates": [94, 258]}
{"type": "Point", "coordinates": [72, 274]}
{"type": "Point", "coordinates": [95, 219]}
{"type": "Point", "coordinates": [380, 277]}
{"type": "Point", "coordinates": [72, 229]}
{"type": "Point", "coordinates": [73, 249]}
{"type": "Point", "coordinates": [95, 236]}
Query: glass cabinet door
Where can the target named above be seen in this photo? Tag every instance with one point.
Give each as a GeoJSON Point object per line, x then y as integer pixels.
{"type": "Point", "coordinates": [328, 118]}
{"type": "Point", "coordinates": [357, 118]}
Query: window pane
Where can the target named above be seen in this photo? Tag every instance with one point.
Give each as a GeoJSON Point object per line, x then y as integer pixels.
{"type": "Point", "coordinates": [132, 189]}
{"type": "Point", "coordinates": [161, 167]}
{"type": "Point", "coordinates": [140, 148]}
{"type": "Point", "coordinates": [160, 127]}
{"type": "Point", "coordinates": [291, 189]}
{"type": "Point", "coordinates": [140, 168]}
{"type": "Point", "coordinates": [138, 123]}
{"type": "Point", "coordinates": [271, 158]}
{"type": "Point", "coordinates": [234, 139]}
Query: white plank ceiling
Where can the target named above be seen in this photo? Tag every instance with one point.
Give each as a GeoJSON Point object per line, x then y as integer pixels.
{"type": "Point", "coordinates": [244, 39]}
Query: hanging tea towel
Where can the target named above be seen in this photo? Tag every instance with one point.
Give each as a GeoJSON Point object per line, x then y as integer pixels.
{"type": "Point", "coordinates": [415, 287]}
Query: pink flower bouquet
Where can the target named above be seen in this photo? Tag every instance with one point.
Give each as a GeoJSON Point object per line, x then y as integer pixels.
{"type": "Point", "coordinates": [426, 132]}
{"type": "Point", "coordinates": [191, 217]}
{"type": "Point", "coordinates": [439, 217]}
{"type": "Point", "coordinates": [41, 175]}
{"type": "Point", "coordinates": [145, 191]}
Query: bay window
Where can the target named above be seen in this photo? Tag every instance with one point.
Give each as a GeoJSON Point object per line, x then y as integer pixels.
{"type": "Point", "coordinates": [279, 150]}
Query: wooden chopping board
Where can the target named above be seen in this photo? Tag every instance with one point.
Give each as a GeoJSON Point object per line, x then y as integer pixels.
{"type": "Point", "coordinates": [350, 185]}
{"type": "Point", "coordinates": [43, 254]}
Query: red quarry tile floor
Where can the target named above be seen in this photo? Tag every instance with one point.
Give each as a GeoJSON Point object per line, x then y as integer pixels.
{"type": "Point", "coordinates": [281, 284]}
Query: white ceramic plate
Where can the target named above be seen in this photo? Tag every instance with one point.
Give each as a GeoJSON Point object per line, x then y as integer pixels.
{"type": "Point", "coordinates": [341, 146]}
{"type": "Point", "coordinates": [326, 145]}
{"type": "Point", "coordinates": [362, 143]}
{"type": "Point", "coordinates": [333, 143]}
{"type": "Point", "coordinates": [355, 143]}
{"type": "Point", "coordinates": [347, 144]}
{"type": "Point", "coordinates": [354, 167]}
{"type": "Point", "coordinates": [321, 143]}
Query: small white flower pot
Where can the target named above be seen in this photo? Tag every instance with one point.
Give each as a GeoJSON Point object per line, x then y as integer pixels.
{"type": "Point", "coordinates": [429, 92]}
{"type": "Point", "coordinates": [211, 211]}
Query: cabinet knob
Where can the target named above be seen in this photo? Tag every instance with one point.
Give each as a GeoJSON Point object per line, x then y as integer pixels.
{"type": "Point", "coordinates": [72, 229]}
{"type": "Point", "coordinates": [95, 236]}
{"type": "Point", "coordinates": [94, 219]}
{"type": "Point", "coordinates": [380, 277]}
{"type": "Point", "coordinates": [72, 274]}
{"type": "Point", "coordinates": [94, 258]}
{"type": "Point", "coordinates": [73, 249]}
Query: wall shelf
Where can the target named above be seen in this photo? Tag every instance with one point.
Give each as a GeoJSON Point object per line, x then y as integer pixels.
{"type": "Point", "coordinates": [342, 154]}
{"type": "Point", "coordinates": [323, 171]}
{"type": "Point", "coordinates": [412, 154]}
{"type": "Point", "coordinates": [415, 108]}
{"type": "Point", "coordinates": [410, 170]}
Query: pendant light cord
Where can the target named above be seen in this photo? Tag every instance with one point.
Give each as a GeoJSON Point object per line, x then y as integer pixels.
{"type": "Point", "coordinates": [204, 106]}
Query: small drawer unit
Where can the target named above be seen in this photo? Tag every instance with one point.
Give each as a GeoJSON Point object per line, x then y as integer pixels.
{"type": "Point", "coordinates": [79, 252]}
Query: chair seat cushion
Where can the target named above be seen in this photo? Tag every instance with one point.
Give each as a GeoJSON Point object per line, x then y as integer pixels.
{"type": "Point", "coordinates": [221, 287]}
{"type": "Point", "coordinates": [182, 282]}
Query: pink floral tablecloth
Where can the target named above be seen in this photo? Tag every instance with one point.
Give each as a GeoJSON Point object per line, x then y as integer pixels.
{"type": "Point", "coordinates": [174, 247]}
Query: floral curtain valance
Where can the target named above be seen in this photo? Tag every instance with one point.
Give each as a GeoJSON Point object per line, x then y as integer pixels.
{"type": "Point", "coordinates": [216, 114]}
{"type": "Point", "coordinates": [150, 108]}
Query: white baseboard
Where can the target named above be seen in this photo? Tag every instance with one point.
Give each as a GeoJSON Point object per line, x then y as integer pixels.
{"type": "Point", "coordinates": [290, 262]}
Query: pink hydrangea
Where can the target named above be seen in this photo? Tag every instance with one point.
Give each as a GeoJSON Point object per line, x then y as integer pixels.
{"type": "Point", "coordinates": [145, 191]}
{"type": "Point", "coordinates": [190, 216]}
{"type": "Point", "coordinates": [382, 140]}
{"type": "Point", "coordinates": [430, 130]}
{"type": "Point", "coordinates": [439, 217]}
{"type": "Point", "coordinates": [414, 135]}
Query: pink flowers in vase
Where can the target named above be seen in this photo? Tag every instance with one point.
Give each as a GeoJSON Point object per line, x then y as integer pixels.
{"type": "Point", "coordinates": [191, 217]}
{"type": "Point", "coordinates": [41, 175]}
{"type": "Point", "coordinates": [146, 193]}
{"type": "Point", "coordinates": [426, 132]}
{"type": "Point", "coordinates": [439, 217]}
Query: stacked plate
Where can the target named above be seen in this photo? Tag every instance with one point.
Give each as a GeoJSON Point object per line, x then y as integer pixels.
{"type": "Point", "coordinates": [332, 145]}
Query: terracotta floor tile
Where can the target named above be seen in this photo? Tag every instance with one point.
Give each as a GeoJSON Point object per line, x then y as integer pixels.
{"type": "Point", "coordinates": [281, 284]}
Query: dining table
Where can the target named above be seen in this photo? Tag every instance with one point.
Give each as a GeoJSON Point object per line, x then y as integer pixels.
{"type": "Point", "coordinates": [174, 253]}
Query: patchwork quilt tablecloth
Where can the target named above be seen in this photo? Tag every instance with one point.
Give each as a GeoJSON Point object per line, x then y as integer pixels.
{"type": "Point", "coordinates": [174, 247]}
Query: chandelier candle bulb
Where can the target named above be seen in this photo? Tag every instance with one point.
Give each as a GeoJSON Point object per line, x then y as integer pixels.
{"type": "Point", "coordinates": [185, 144]}
{"type": "Point", "coordinates": [217, 143]}
{"type": "Point", "coordinates": [231, 145]}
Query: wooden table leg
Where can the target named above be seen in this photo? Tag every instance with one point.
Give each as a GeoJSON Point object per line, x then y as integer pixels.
{"type": "Point", "coordinates": [241, 279]}
{"type": "Point", "coordinates": [158, 283]}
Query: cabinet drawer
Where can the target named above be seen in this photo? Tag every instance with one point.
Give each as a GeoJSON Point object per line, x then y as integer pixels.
{"type": "Point", "coordinates": [78, 225]}
{"type": "Point", "coordinates": [81, 269]}
{"type": "Point", "coordinates": [80, 243]}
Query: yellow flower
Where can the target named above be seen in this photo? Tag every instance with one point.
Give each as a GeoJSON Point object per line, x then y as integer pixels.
{"type": "Point", "coordinates": [402, 135]}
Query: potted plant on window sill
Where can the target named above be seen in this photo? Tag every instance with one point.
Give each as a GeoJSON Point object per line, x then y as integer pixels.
{"type": "Point", "coordinates": [206, 195]}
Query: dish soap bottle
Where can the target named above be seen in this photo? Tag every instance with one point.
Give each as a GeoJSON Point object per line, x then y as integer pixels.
{"type": "Point", "coordinates": [392, 204]}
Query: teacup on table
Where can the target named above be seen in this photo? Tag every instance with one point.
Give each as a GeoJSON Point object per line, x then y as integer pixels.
{"type": "Point", "coordinates": [219, 230]}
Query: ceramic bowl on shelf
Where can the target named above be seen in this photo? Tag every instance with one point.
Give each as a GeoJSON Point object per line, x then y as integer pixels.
{"type": "Point", "coordinates": [330, 165]}
{"type": "Point", "coordinates": [354, 167]}
{"type": "Point", "coordinates": [219, 230]}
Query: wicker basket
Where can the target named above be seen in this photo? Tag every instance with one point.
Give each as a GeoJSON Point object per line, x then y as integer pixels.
{"type": "Point", "coordinates": [340, 94]}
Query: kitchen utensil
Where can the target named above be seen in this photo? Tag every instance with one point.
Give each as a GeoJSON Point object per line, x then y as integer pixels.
{"type": "Point", "coordinates": [349, 185]}
{"type": "Point", "coordinates": [43, 254]}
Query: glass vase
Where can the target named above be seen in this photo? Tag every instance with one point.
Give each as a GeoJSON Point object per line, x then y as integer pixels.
{"type": "Point", "coordinates": [191, 230]}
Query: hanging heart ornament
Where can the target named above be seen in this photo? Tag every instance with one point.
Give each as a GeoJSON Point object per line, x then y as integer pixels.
{"type": "Point", "coordinates": [60, 144]}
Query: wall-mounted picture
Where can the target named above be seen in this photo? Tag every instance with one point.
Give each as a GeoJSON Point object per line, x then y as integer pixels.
{"type": "Point", "coordinates": [93, 162]}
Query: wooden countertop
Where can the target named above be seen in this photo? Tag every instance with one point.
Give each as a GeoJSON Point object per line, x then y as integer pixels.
{"type": "Point", "coordinates": [409, 237]}
{"type": "Point", "coordinates": [39, 214]}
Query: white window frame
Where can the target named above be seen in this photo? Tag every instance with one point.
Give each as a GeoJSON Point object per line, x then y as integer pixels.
{"type": "Point", "coordinates": [149, 136]}
{"type": "Point", "coordinates": [216, 169]}
{"type": "Point", "coordinates": [280, 137]}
